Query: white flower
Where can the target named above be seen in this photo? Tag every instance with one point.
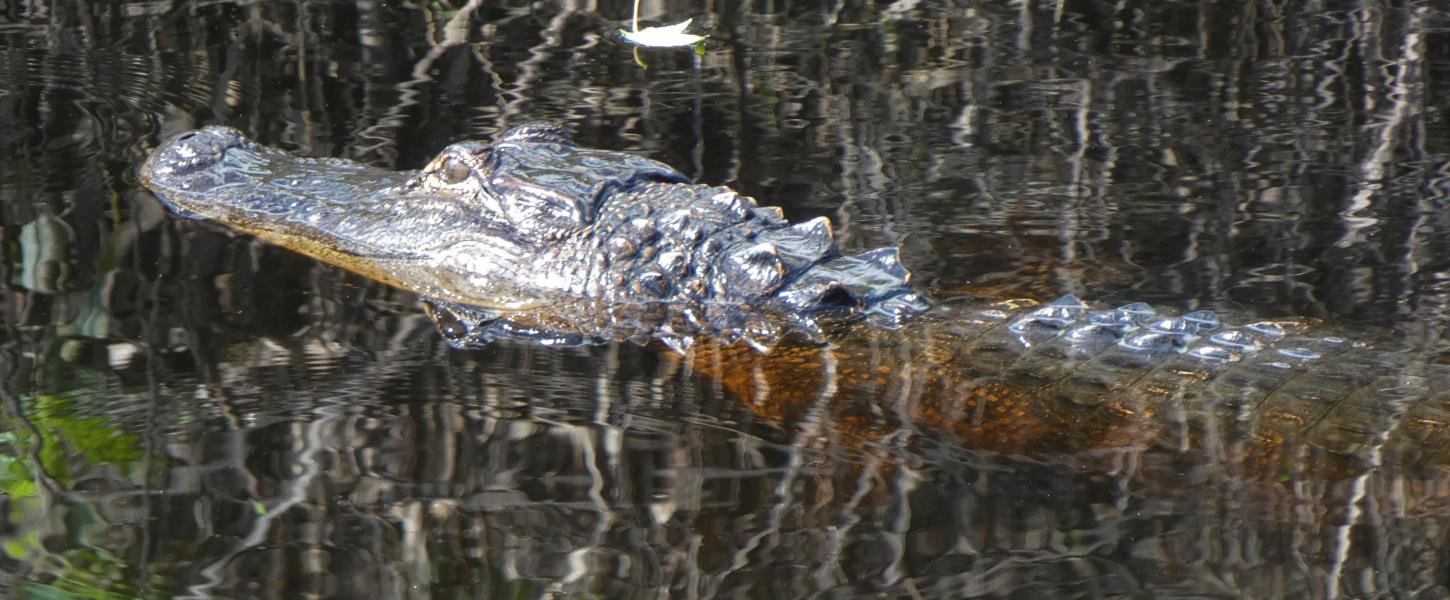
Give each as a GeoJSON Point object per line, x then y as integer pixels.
{"type": "Point", "coordinates": [666, 36]}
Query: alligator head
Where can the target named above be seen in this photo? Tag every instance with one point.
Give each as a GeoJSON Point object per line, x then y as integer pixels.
{"type": "Point", "coordinates": [534, 237]}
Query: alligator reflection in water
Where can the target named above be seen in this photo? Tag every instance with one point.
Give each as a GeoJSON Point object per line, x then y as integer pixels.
{"type": "Point", "coordinates": [1183, 400]}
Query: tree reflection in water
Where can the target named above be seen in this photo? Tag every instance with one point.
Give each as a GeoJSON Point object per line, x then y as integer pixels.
{"type": "Point", "coordinates": [190, 412]}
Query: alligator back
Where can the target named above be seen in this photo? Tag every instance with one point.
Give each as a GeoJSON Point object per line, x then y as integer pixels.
{"type": "Point", "coordinates": [1064, 378]}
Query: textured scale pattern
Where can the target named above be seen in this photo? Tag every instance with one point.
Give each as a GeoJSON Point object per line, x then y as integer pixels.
{"type": "Point", "coordinates": [1067, 377]}
{"type": "Point", "coordinates": [532, 237]}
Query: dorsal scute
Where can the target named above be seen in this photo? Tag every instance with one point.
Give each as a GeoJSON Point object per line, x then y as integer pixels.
{"type": "Point", "coordinates": [803, 244]}
{"type": "Point", "coordinates": [751, 270]}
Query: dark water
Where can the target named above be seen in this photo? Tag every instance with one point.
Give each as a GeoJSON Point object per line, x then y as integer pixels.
{"type": "Point", "coordinates": [191, 413]}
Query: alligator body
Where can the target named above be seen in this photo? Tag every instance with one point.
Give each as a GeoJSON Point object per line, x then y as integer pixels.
{"type": "Point", "coordinates": [535, 238]}
{"type": "Point", "coordinates": [1269, 399]}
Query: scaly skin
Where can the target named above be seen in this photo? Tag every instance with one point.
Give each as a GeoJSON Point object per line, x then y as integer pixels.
{"type": "Point", "coordinates": [1265, 400]}
{"type": "Point", "coordinates": [534, 238]}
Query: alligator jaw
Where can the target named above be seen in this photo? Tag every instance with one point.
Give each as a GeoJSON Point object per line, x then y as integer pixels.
{"type": "Point", "coordinates": [217, 174]}
{"type": "Point", "coordinates": [385, 225]}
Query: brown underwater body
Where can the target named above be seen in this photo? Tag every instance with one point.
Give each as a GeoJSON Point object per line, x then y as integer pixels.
{"type": "Point", "coordinates": [534, 238]}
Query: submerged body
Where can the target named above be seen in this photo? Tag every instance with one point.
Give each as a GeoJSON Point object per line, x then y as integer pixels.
{"type": "Point", "coordinates": [534, 238]}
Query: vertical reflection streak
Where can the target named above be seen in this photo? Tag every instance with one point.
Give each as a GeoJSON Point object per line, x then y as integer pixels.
{"type": "Point", "coordinates": [295, 494]}
{"type": "Point", "coordinates": [1386, 126]}
{"type": "Point", "coordinates": [455, 32]}
{"type": "Point", "coordinates": [812, 426]}
{"type": "Point", "coordinates": [906, 478]}
{"type": "Point", "coordinates": [610, 441]}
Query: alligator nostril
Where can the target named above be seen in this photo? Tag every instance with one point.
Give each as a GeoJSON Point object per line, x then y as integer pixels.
{"type": "Point", "coordinates": [186, 136]}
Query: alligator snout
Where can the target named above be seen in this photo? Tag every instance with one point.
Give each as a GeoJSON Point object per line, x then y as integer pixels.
{"type": "Point", "coordinates": [188, 161]}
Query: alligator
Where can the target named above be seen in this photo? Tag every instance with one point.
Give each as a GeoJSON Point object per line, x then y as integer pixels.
{"type": "Point", "coordinates": [535, 238]}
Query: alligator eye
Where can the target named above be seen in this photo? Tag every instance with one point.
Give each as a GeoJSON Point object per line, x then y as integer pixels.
{"type": "Point", "coordinates": [454, 171]}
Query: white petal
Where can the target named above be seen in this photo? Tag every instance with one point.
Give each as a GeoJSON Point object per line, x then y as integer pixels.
{"type": "Point", "coordinates": [664, 36]}
{"type": "Point", "coordinates": [677, 27]}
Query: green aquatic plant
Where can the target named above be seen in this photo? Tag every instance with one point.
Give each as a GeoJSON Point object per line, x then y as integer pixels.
{"type": "Point", "coordinates": [43, 452]}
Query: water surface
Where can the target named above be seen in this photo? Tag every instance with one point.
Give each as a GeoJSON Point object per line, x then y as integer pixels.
{"type": "Point", "coordinates": [192, 413]}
